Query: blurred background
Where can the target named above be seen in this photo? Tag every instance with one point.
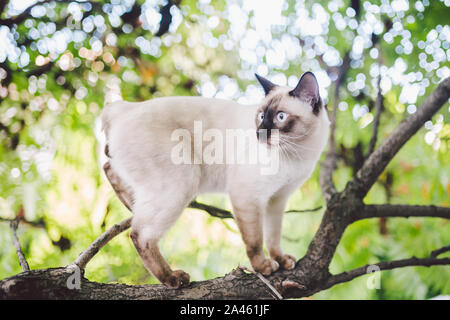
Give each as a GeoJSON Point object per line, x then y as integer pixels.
{"type": "Point", "coordinates": [60, 61]}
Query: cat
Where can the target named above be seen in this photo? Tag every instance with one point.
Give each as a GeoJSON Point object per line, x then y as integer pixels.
{"type": "Point", "coordinates": [141, 168]}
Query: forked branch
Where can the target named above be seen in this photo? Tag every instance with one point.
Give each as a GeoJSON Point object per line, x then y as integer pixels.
{"type": "Point", "coordinates": [379, 159]}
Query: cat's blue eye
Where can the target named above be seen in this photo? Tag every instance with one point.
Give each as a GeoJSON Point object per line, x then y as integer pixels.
{"type": "Point", "coordinates": [282, 116]}
{"type": "Point", "coordinates": [261, 116]}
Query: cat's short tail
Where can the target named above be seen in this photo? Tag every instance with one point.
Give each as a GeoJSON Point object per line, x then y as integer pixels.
{"type": "Point", "coordinates": [109, 113]}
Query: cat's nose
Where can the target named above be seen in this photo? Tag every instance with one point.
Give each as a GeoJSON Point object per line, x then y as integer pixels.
{"type": "Point", "coordinates": [263, 133]}
{"type": "Point", "coordinates": [267, 122]}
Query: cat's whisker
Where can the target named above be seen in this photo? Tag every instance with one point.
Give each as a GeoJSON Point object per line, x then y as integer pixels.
{"type": "Point", "coordinates": [288, 152]}
{"type": "Point", "coordinates": [297, 145]}
{"type": "Point", "coordinates": [291, 149]}
{"type": "Point", "coordinates": [300, 135]}
{"type": "Point", "coordinates": [297, 137]}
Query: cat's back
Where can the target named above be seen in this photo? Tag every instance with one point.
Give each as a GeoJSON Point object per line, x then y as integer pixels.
{"type": "Point", "coordinates": [140, 135]}
{"type": "Point", "coordinates": [178, 105]}
{"type": "Point", "coordinates": [176, 112]}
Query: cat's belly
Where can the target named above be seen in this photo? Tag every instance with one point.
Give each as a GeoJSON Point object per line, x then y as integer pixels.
{"type": "Point", "coordinates": [213, 178]}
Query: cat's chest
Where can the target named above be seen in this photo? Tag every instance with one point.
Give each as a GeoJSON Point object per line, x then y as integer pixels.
{"type": "Point", "coordinates": [291, 176]}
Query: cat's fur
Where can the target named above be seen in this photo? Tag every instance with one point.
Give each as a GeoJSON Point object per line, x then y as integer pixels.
{"type": "Point", "coordinates": [157, 190]}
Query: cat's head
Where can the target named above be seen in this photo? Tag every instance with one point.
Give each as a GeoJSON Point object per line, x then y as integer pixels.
{"type": "Point", "coordinates": [296, 113]}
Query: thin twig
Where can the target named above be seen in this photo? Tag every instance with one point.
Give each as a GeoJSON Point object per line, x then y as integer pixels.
{"type": "Point", "coordinates": [38, 224]}
{"type": "Point", "coordinates": [213, 211]}
{"type": "Point", "coordinates": [25, 14]}
{"type": "Point", "coordinates": [270, 286]}
{"type": "Point", "coordinates": [378, 107]}
{"type": "Point", "coordinates": [438, 252]}
{"type": "Point", "coordinates": [225, 214]}
{"type": "Point", "coordinates": [23, 262]}
{"type": "Point", "coordinates": [101, 241]}
{"type": "Point", "coordinates": [304, 210]}
{"type": "Point", "coordinates": [277, 296]}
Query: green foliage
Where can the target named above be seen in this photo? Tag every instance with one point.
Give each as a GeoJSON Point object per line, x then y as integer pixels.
{"type": "Point", "coordinates": [64, 61]}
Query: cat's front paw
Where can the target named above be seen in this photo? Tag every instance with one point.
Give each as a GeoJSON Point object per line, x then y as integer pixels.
{"type": "Point", "coordinates": [177, 279]}
{"type": "Point", "coordinates": [286, 261]}
{"type": "Point", "coordinates": [266, 267]}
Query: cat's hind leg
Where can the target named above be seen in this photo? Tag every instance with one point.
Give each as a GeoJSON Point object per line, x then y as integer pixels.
{"type": "Point", "coordinates": [154, 213]}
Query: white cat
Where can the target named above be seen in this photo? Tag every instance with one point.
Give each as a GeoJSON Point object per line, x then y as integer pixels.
{"type": "Point", "coordinates": [142, 170]}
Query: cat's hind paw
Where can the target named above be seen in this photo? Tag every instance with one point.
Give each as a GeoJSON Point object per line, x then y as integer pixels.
{"type": "Point", "coordinates": [178, 279]}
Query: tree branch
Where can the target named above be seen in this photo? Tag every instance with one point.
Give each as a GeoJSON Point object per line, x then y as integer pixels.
{"type": "Point", "coordinates": [378, 107]}
{"type": "Point", "coordinates": [23, 262]}
{"type": "Point", "coordinates": [40, 70]}
{"type": "Point", "coordinates": [23, 15]}
{"type": "Point", "coordinates": [38, 224]}
{"type": "Point", "coordinates": [326, 175]}
{"type": "Point", "coordinates": [18, 19]}
{"type": "Point", "coordinates": [438, 252]}
{"type": "Point", "coordinates": [225, 214]}
{"type": "Point", "coordinates": [345, 207]}
{"type": "Point", "coordinates": [402, 211]}
{"type": "Point", "coordinates": [214, 211]}
{"type": "Point", "coordinates": [329, 164]}
{"type": "Point", "coordinates": [388, 265]}
{"type": "Point", "coordinates": [100, 242]}
{"type": "Point", "coordinates": [52, 284]}
{"type": "Point", "coordinates": [3, 4]}
{"type": "Point", "coordinates": [304, 211]}
{"type": "Point", "coordinates": [296, 283]}
{"type": "Point", "coordinates": [379, 159]}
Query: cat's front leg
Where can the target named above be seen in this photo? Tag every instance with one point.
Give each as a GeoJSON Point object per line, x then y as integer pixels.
{"type": "Point", "coordinates": [249, 219]}
{"type": "Point", "coordinates": [272, 232]}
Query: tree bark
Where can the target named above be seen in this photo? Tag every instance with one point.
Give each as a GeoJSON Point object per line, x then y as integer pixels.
{"type": "Point", "coordinates": [52, 284]}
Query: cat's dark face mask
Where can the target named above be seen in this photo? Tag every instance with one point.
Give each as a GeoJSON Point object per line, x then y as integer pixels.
{"type": "Point", "coordinates": [264, 130]}
{"type": "Point", "coordinates": [288, 113]}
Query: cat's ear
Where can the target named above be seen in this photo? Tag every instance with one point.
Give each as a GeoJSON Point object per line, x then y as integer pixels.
{"type": "Point", "coordinates": [307, 90]}
{"type": "Point", "coordinates": [266, 84]}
